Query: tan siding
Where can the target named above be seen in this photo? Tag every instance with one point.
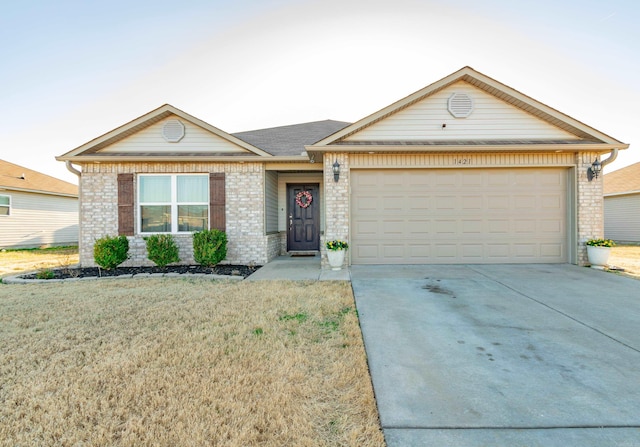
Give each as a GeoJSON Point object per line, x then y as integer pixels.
{"type": "Point", "coordinates": [491, 119]}
{"type": "Point", "coordinates": [39, 219]}
{"type": "Point", "coordinates": [151, 140]}
{"type": "Point", "coordinates": [622, 217]}
{"type": "Point", "coordinates": [460, 160]}
{"type": "Point", "coordinates": [271, 202]}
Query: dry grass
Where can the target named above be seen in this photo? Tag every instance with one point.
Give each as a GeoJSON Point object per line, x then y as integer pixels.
{"type": "Point", "coordinates": [186, 362]}
{"type": "Point", "coordinates": [626, 257]}
{"type": "Point", "coordinates": [16, 261]}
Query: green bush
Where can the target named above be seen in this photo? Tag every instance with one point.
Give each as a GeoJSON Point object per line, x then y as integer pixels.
{"type": "Point", "coordinates": [45, 274]}
{"type": "Point", "coordinates": [162, 249]}
{"type": "Point", "coordinates": [209, 247]}
{"type": "Point", "coordinates": [110, 252]}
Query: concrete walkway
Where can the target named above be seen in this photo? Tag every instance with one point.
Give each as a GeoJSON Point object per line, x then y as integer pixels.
{"type": "Point", "coordinates": [298, 268]}
{"type": "Point", "coordinates": [502, 355]}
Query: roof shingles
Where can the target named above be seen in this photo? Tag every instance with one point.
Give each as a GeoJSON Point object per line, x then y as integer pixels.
{"type": "Point", "coordinates": [290, 140]}
{"type": "Point", "coordinates": [19, 178]}
{"type": "Point", "coordinates": [623, 180]}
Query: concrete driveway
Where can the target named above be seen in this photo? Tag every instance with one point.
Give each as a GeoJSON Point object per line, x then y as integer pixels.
{"type": "Point", "coordinates": [502, 355]}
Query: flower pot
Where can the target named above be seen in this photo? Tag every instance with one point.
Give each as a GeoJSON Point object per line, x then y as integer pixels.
{"type": "Point", "coordinates": [598, 256]}
{"type": "Point", "coordinates": [336, 259]}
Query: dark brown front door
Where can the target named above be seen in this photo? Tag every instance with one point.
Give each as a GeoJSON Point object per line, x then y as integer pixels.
{"type": "Point", "coordinates": [303, 215]}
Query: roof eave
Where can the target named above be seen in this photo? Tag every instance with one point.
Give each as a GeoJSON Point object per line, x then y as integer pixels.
{"type": "Point", "coordinates": [622, 193]}
{"type": "Point", "coordinates": [586, 147]}
{"type": "Point", "coordinates": [79, 159]}
{"type": "Point", "coordinates": [37, 191]}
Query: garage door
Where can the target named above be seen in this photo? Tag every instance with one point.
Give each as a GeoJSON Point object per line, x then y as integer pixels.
{"type": "Point", "coordinates": [454, 216]}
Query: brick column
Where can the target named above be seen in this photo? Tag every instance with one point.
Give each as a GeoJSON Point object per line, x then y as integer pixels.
{"type": "Point", "coordinates": [590, 206]}
{"type": "Point", "coordinates": [336, 197]}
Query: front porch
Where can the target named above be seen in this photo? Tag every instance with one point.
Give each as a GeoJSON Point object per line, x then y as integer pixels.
{"type": "Point", "coordinates": [299, 268]}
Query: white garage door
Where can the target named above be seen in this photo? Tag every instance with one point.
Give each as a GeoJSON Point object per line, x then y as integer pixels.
{"type": "Point", "coordinates": [453, 216]}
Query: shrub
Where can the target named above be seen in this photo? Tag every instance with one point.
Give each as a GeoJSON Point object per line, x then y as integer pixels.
{"type": "Point", "coordinates": [110, 252]}
{"type": "Point", "coordinates": [209, 247]}
{"type": "Point", "coordinates": [45, 274]}
{"type": "Point", "coordinates": [162, 249]}
{"type": "Point", "coordinates": [601, 243]}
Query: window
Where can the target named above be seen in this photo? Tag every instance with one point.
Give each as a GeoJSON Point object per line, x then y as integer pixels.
{"type": "Point", "coordinates": [173, 203]}
{"type": "Point", "coordinates": [5, 205]}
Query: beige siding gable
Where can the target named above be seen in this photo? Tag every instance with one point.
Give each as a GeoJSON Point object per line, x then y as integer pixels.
{"type": "Point", "coordinates": [491, 119]}
{"type": "Point", "coordinates": [151, 140]}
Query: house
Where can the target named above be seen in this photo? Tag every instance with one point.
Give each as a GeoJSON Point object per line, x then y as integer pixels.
{"type": "Point", "coordinates": [622, 204]}
{"type": "Point", "coordinates": [36, 209]}
{"type": "Point", "coordinates": [465, 170]}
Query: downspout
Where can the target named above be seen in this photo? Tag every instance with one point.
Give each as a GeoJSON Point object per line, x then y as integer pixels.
{"type": "Point", "coordinates": [612, 157]}
{"type": "Point", "coordinates": [78, 173]}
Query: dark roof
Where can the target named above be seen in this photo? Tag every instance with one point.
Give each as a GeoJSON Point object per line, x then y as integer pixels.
{"type": "Point", "coordinates": [290, 140]}
{"type": "Point", "coordinates": [23, 179]}
{"type": "Point", "coordinates": [623, 180]}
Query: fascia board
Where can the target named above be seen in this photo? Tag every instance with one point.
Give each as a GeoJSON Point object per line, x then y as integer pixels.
{"type": "Point", "coordinates": [601, 148]}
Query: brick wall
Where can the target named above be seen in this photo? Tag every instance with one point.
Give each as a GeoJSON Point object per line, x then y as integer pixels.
{"type": "Point", "coordinates": [336, 197]}
{"type": "Point", "coordinates": [247, 243]}
{"type": "Point", "coordinates": [590, 206]}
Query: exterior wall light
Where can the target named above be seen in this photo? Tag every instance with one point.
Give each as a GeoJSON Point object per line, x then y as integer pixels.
{"type": "Point", "coordinates": [336, 171]}
{"type": "Point", "coordinates": [594, 169]}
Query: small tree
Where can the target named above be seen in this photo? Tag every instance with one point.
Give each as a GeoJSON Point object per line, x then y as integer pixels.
{"type": "Point", "coordinates": [209, 247]}
{"type": "Point", "coordinates": [162, 249]}
{"type": "Point", "coordinates": [109, 252]}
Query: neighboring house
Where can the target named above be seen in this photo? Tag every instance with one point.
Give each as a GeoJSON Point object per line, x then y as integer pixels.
{"type": "Point", "coordinates": [622, 204]}
{"type": "Point", "coordinates": [466, 170]}
{"type": "Point", "coordinates": [36, 209]}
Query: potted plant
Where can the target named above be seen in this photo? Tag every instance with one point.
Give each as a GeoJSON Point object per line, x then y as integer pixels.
{"type": "Point", "coordinates": [335, 253]}
{"type": "Point", "coordinates": [598, 251]}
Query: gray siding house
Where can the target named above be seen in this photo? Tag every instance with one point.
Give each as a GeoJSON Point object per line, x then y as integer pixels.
{"type": "Point", "coordinates": [36, 210]}
{"type": "Point", "coordinates": [622, 204]}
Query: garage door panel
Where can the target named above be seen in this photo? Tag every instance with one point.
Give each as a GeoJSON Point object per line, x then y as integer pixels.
{"type": "Point", "coordinates": [444, 227]}
{"type": "Point", "coordinates": [459, 216]}
{"type": "Point", "coordinates": [550, 226]}
{"type": "Point", "coordinates": [551, 250]}
{"type": "Point", "coordinates": [447, 202]}
{"type": "Point", "coordinates": [392, 227]}
{"type": "Point", "coordinates": [498, 202]}
{"type": "Point", "coordinates": [472, 227]}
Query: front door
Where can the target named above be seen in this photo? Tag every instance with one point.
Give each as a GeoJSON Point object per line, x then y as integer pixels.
{"type": "Point", "coordinates": [303, 213]}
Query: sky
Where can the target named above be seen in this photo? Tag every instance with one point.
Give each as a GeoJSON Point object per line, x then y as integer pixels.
{"type": "Point", "coordinates": [73, 70]}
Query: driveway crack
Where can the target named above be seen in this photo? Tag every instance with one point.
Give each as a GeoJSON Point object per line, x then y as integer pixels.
{"type": "Point", "coordinates": [555, 310]}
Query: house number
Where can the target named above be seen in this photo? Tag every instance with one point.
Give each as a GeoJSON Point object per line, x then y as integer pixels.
{"type": "Point", "coordinates": [462, 161]}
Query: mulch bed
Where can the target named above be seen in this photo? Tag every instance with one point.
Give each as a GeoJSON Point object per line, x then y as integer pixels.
{"type": "Point", "coordinates": [72, 272]}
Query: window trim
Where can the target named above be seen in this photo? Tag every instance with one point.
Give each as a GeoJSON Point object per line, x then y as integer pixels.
{"type": "Point", "coordinates": [8, 206]}
{"type": "Point", "coordinates": [173, 203]}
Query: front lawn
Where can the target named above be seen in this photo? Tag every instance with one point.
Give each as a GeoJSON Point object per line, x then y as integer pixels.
{"type": "Point", "coordinates": [188, 362]}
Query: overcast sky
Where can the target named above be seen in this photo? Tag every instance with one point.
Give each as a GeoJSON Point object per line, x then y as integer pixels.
{"type": "Point", "coordinates": [74, 70]}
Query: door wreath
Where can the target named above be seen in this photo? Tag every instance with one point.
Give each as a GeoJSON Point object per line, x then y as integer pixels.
{"type": "Point", "coordinates": [304, 199]}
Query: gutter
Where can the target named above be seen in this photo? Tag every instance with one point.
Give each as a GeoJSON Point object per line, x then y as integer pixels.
{"type": "Point", "coordinates": [612, 157]}
{"type": "Point", "coordinates": [71, 169]}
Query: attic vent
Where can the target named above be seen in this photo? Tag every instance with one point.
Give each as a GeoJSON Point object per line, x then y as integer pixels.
{"type": "Point", "coordinates": [173, 131]}
{"type": "Point", "coordinates": [460, 105]}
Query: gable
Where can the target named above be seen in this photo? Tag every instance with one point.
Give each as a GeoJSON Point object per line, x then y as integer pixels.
{"type": "Point", "coordinates": [151, 140]}
{"type": "Point", "coordinates": [146, 136]}
{"type": "Point", "coordinates": [502, 119]}
{"type": "Point", "coordinates": [429, 119]}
